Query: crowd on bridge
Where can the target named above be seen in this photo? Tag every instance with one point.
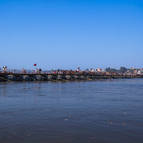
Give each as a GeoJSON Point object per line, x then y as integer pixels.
{"type": "Point", "coordinates": [106, 71]}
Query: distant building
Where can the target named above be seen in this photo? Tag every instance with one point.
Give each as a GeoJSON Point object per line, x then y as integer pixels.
{"type": "Point", "coordinates": [98, 70]}
{"type": "Point", "coordinates": [92, 70]}
{"type": "Point", "coordinates": [23, 71]}
{"type": "Point", "coordinates": [139, 72]}
{"type": "Point", "coordinates": [135, 71]}
{"type": "Point", "coordinates": [78, 69]}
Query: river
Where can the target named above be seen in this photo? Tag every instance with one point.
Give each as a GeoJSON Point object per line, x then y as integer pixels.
{"type": "Point", "coordinates": [107, 111]}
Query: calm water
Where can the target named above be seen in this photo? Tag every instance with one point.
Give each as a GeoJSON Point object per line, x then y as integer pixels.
{"type": "Point", "coordinates": [72, 112]}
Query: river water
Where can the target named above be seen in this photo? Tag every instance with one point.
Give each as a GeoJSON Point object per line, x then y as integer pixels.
{"type": "Point", "coordinates": [108, 111]}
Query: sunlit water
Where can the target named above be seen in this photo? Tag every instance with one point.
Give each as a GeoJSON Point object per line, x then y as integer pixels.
{"type": "Point", "coordinates": [109, 111]}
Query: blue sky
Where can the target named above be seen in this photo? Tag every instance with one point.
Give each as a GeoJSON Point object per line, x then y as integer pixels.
{"type": "Point", "coordinates": [70, 33]}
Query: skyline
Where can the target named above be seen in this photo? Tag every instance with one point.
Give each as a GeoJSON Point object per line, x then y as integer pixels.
{"type": "Point", "coordinates": [68, 34]}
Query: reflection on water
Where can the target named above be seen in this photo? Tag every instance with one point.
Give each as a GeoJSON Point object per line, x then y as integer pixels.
{"type": "Point", "coordinates": [72, 112]}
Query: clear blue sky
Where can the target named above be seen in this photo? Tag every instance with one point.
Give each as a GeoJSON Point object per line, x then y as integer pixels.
{"type": "Point", "coordinates": [70, 33]}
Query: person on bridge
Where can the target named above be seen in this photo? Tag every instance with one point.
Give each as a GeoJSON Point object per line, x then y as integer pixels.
{"type": "Point", "coordinates": [4, 69]}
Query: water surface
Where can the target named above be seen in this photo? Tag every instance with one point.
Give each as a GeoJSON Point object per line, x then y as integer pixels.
{"type": "Point", "coordinates": [72, 112]}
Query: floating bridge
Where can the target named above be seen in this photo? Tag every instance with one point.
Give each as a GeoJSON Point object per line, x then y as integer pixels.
{"type": "Point", "coordinates": [62, 77]}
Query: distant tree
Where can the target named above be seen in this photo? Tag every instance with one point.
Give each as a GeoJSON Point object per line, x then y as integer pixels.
{"type": "Point", "coordinates": [108, 69]}
{"type": "Point", "coordinates": [123, 69]}
{"type": "Point", "coordinates": [111, 70]}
